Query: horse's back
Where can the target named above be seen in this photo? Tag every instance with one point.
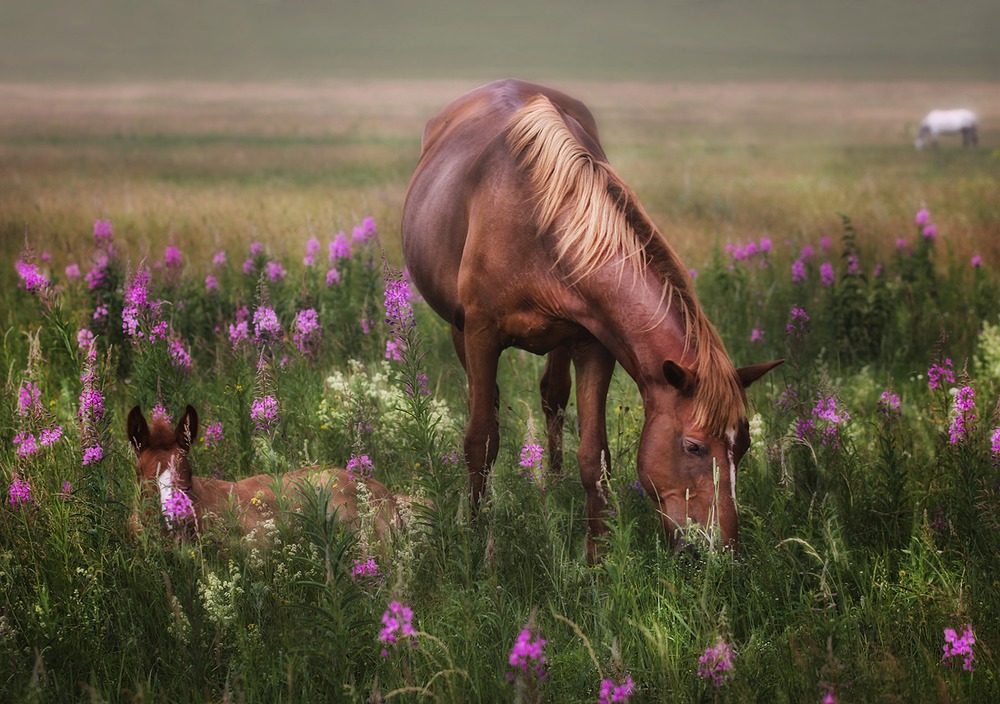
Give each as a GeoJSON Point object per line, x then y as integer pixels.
{"type": "Point", "coordinates": [465, 163]}
{"type": "Point", "coordinates": [949, 120]}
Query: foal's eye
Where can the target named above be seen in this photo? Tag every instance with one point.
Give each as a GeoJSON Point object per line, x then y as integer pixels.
{"type": "Point", "coordinates": [693, 447]}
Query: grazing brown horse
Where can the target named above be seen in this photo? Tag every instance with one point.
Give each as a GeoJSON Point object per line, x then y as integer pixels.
{"type": "Point", "coordinates": [519, 233]}
{"type": "Point", "coordinates": [163, 470]}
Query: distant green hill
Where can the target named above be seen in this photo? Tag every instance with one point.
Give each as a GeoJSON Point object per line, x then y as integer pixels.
{"type": "Point", "coordinates": [545, 39]}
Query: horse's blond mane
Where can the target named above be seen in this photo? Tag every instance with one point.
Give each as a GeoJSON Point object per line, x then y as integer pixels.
{"type": "Point", "coordinates": [601, 222]}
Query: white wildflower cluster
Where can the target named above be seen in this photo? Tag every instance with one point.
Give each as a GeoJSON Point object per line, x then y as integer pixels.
{"type": "Point", "coordinates": [372, 391]}
{"type": "Point", "coordinates": [409, 541]}
{"type": "Point", "coordinates": [757, 435]}
{"type": "Point", "coordinates": [219, 596]}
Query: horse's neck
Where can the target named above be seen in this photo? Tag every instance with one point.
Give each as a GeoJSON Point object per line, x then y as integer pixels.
{"type": "Point", "coordinates": [634, 320]}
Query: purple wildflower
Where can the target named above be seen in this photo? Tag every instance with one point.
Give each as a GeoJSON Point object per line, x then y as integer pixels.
{"type": "Point", "coordinates": [179, 355]}
{"type": "Point", "coordinates": [717, 663]}
{"type": "Point", "coordinates": [962, 415]}
{"type": "Point", "coordinates": [220, 258]}
{"type": "Point", "coordinates": [798, 326]}
{"type": "Point", "coordinates": [306, 330]}
{"type": "Point", "coordinates": [275, 272]}
{"type": "Point", "coordinates": [171, 256]}
{"type": "Point", "coordinates": [256, 248]}
{"type": "Point", "coordinates": [531, 455]}
{"type": "Point", "coordinates": [798, 271]}
{"type": "Point", "coordinates": [398, 312]}
{"type": "Point", "coordinates": [49, 436]}
{"type": "Point", "coordinates": [29, 400]}
{"type": "Point", "coordinates": [756, 335]}
{"type": "Point", "coordinates": [693, 273]}
{"type": "Point", "coordinates": [213, 436]}
{"type": "Point", "coordinates": [826, 273]}
{"type": "Point", "coordinates": [19, 493]}
{"type": "Point", "coordinates": [612, 692]}
{"type": "Point", "coordinates": [889, 404]}
{"type": "Point", "coordinates": [976, 261]}
{"type": "Point", "coordinates": [264, 411]}
{"type": "Point", "coordinates": [31, 278]}
{"type": "Point", "coordinates": [368, 228]}
{"type": "Point", "coordinates": [332, 277]}
{"type": "Point", "coordinates": [177, 508]}
{"type": "Point", "coordinates": [365, 568]}
{"type": "Point", "coordinates": [527, 654]}
{"type": "Point", "coordinates": [25, 444]}
{"type": "Point", "coordinates": [211, 283]}
{"type": "Point", "coordinates": [929, 232]}
{"type": "Point", "coordinates": [339, 248]}
{"type": "Point", "coordinates": [266, 326]}
{"type": "Point", "coordinates": [102, 233]}
{"type": "Point", "coordinates": [72, 271]}
{"type": "Point", "coordinates": [312, 249]}
{"type": "Point", "coordinates": [995, 444]}
{"type": "Point", "coordinates": [93, 455]}
{"type": "Point", "coordinates": [360, 468]}
{"type": "Point", "coordinates": [853, 265]}
{"type": "Point", "coordinates": [959, 645]}
{"type": "Point", "coordinates": [160, 412]}
{"type": "Point", "coordinates": [922, 217]}
{"type": "Point", "coordinates": [394, 349]}
{"type": "Point", "coordinates": [397, 623]}
{"type": "Point", "coordinates": [824, 243]}
{"type": "Point", "coordinates": [938, 374]}
{"type": "Point", "coordinates": [807, 252]}
{"type": "Point", "coordinates": [826, 410]}
{"type": "Point", "coordinates": [249, 267]}
{"type": "Point", "coordinates": [239, 333]}
{"type": "Point", "coordinates": [366, 325]}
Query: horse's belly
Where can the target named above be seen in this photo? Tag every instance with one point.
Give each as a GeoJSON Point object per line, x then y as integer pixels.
{"type": "Point", "coordinates": [538, 333]}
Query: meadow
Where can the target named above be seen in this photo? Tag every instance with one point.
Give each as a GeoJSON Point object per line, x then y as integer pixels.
{"type": "Point", "coordinates": [150, 229]}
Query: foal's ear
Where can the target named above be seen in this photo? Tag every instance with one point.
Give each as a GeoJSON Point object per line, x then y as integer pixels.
{"type": "Point", "coordinates": [187, 428]}
{"type": "Point", "coordinates": [680, 377]}
{"type": "Point", "coordinates": [138, 429]}
{"type": "Point", "coordinates": [749, 375]}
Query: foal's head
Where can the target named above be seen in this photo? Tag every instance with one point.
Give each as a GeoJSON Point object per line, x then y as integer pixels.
{"type": "Point", "coordinates": [162, 467]}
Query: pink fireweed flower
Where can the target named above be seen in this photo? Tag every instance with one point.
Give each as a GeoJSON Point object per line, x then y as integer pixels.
{"type": "Point", "coordinates": [829, 694]}
{"type": "Point", "coordinates": [807, 252]}
{"type": "Point", "coordinates": [177, 508]}
{"type": "Point", "coordinates": [756, 335]}
{"type": "Point", "coordinates": [397, 624]}
{"type": "Point", "coordinates": [527, 655]}
{"type": "Point", "coordinates": [306, 330]}
{"type": "Point", "coordinates": [531, 455]}
{"type": "Point", "coordinates": [160, 412]}
{"type": "Point", "coordinates": [25, 444]}
{"type": "Point", "coordinates": [93, 455]}
{"type": "Point", "coordinates": [798, 271]}
{"type": "Point", "coordinates": [274, 271]}
{"type": "Point", "coordinates": [798, 324]}
{"type": "Point", "coordinates": [256, 248]}
{"type": "Point", "coordinates": [889, 404]}
{"type": "Point", "coordinates": [366, 325]}
{"type": "Point", "coordinates": [398, 312]}
{"type": "Point", "coordinates": [693, 273]}
{"type": "Point", "coordinates": [49, 436]}
{"type": "Point", "coordinates": [939, 374]}
{"type": "Point", "coordinates": [239, 333]}
{"type": "Point", "coordinates": [312, 249]}
{"type": "Point", "coordinates": [976, 261]}
{"type": "Point", "coordinates": [171, 256]}
{"type": "Point", "coordinates": [102, 233]}
{"type": "Point", "coordinates": [959, 645]}
{"type": "Point", "coordinates": [179, 355]}
{"type": "Point", "coordinates": [219, 259]}
{"type": "Point", "coordinates": [360, 468]}
{"type": "Point", "coordinates": [211, 283]}
{"type": "Point", "coordinates": [100, 313]}
{"type": "Point", "coordinates": [963, 416]}
{"type": "Point", "coordinates": [332, 277]}
{"type": "Point", "coordinates": [717, 663]}
{"type": "Point", "coordinates": [394, 349]}
{"type": "Point", "coordinates": [29, 401]}
{"type": "Point", "coordinates": [826, 274]}
{"type": "Point", "coordinates": [824, 243]}
{"type": "Point", "coordinates": [368, 228]}
{"type": "Point", "coordinates": [139, 310]}
{"type": "Point", "coordinates": [365, 568]}
{"type": "Point", "coordinates": [853, 265]}
{"type": "Point", "coordinates": [19, 493]}
{"type": "Point", "coordinates": [902, 245]}
{"type": "Point", "coordinates": [612, 692]}
{"type": "Point", "coordinates": [995, 444]}
{"type": "Point", "coordinates": [72, 271]}
{"type": "Point", "coordinates": [826, 410]}
{"type": "Point", "coordinates": [929, 232]}
{"type": "Point", "coordinates": [922, 217]}
{"type": "Point", "coordinates": [765, 244]}
{"type": "Point", "coordinates": [249, 267]}
{"type": "Point", "coordinates": [31, 278]}
{"type": "Point", "coordinates": [213, 436]}
{"type": "Point", "coordinates": [339, 248]}
{"type": "Point", "coordinates": [266, 326]}
{"type": "Point", "coordinates": [264, 411]}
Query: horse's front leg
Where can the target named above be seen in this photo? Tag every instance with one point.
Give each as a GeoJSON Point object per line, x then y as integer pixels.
{"type": "Point", "coordinates": [594, 367]}
{"type": "Point", "coordinates": [482, 348]}
{"type": "Point", "coordinates": [555, 388]}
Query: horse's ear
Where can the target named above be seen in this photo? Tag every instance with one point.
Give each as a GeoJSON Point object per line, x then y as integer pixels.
{"type": "Point", "coordinates": [138, 429]}
{"type": "Point", "coordinates": [187, 428]}
{"type": "Point", "coordinates": [681, 378]}
{"type": "Point", "coordinates": [749, 375]}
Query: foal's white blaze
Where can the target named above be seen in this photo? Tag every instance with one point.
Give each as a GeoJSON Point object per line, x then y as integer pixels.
{"type": "Point", "coordinates": [166, 483]}
{"type": "Point", "coordinates": [731, 434]}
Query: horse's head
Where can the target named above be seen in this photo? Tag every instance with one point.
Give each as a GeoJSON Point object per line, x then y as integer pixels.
{"type": "Point", "coordinates": [923, 137]}
{"type": "Point", "coordinates": [162, 467]}
{"type": "Point", "coordinates": [690, 472]}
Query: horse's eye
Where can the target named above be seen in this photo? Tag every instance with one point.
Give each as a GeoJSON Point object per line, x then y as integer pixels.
{"type": "Point", "coordinates": [693, 447]}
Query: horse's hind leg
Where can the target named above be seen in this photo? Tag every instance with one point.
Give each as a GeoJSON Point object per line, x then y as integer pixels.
{"type": "Point", "coordinates": [555, 388]}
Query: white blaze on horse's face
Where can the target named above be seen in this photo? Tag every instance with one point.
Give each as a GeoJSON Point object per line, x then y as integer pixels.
{"type": "Point", "coordinates": [165, 481]}
{"type": "Point", "coordinates": [730, 455]}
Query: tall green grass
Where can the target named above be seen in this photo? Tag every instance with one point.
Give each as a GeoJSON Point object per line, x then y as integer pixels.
{"type": "Point", "coordinates": [862, 537]}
